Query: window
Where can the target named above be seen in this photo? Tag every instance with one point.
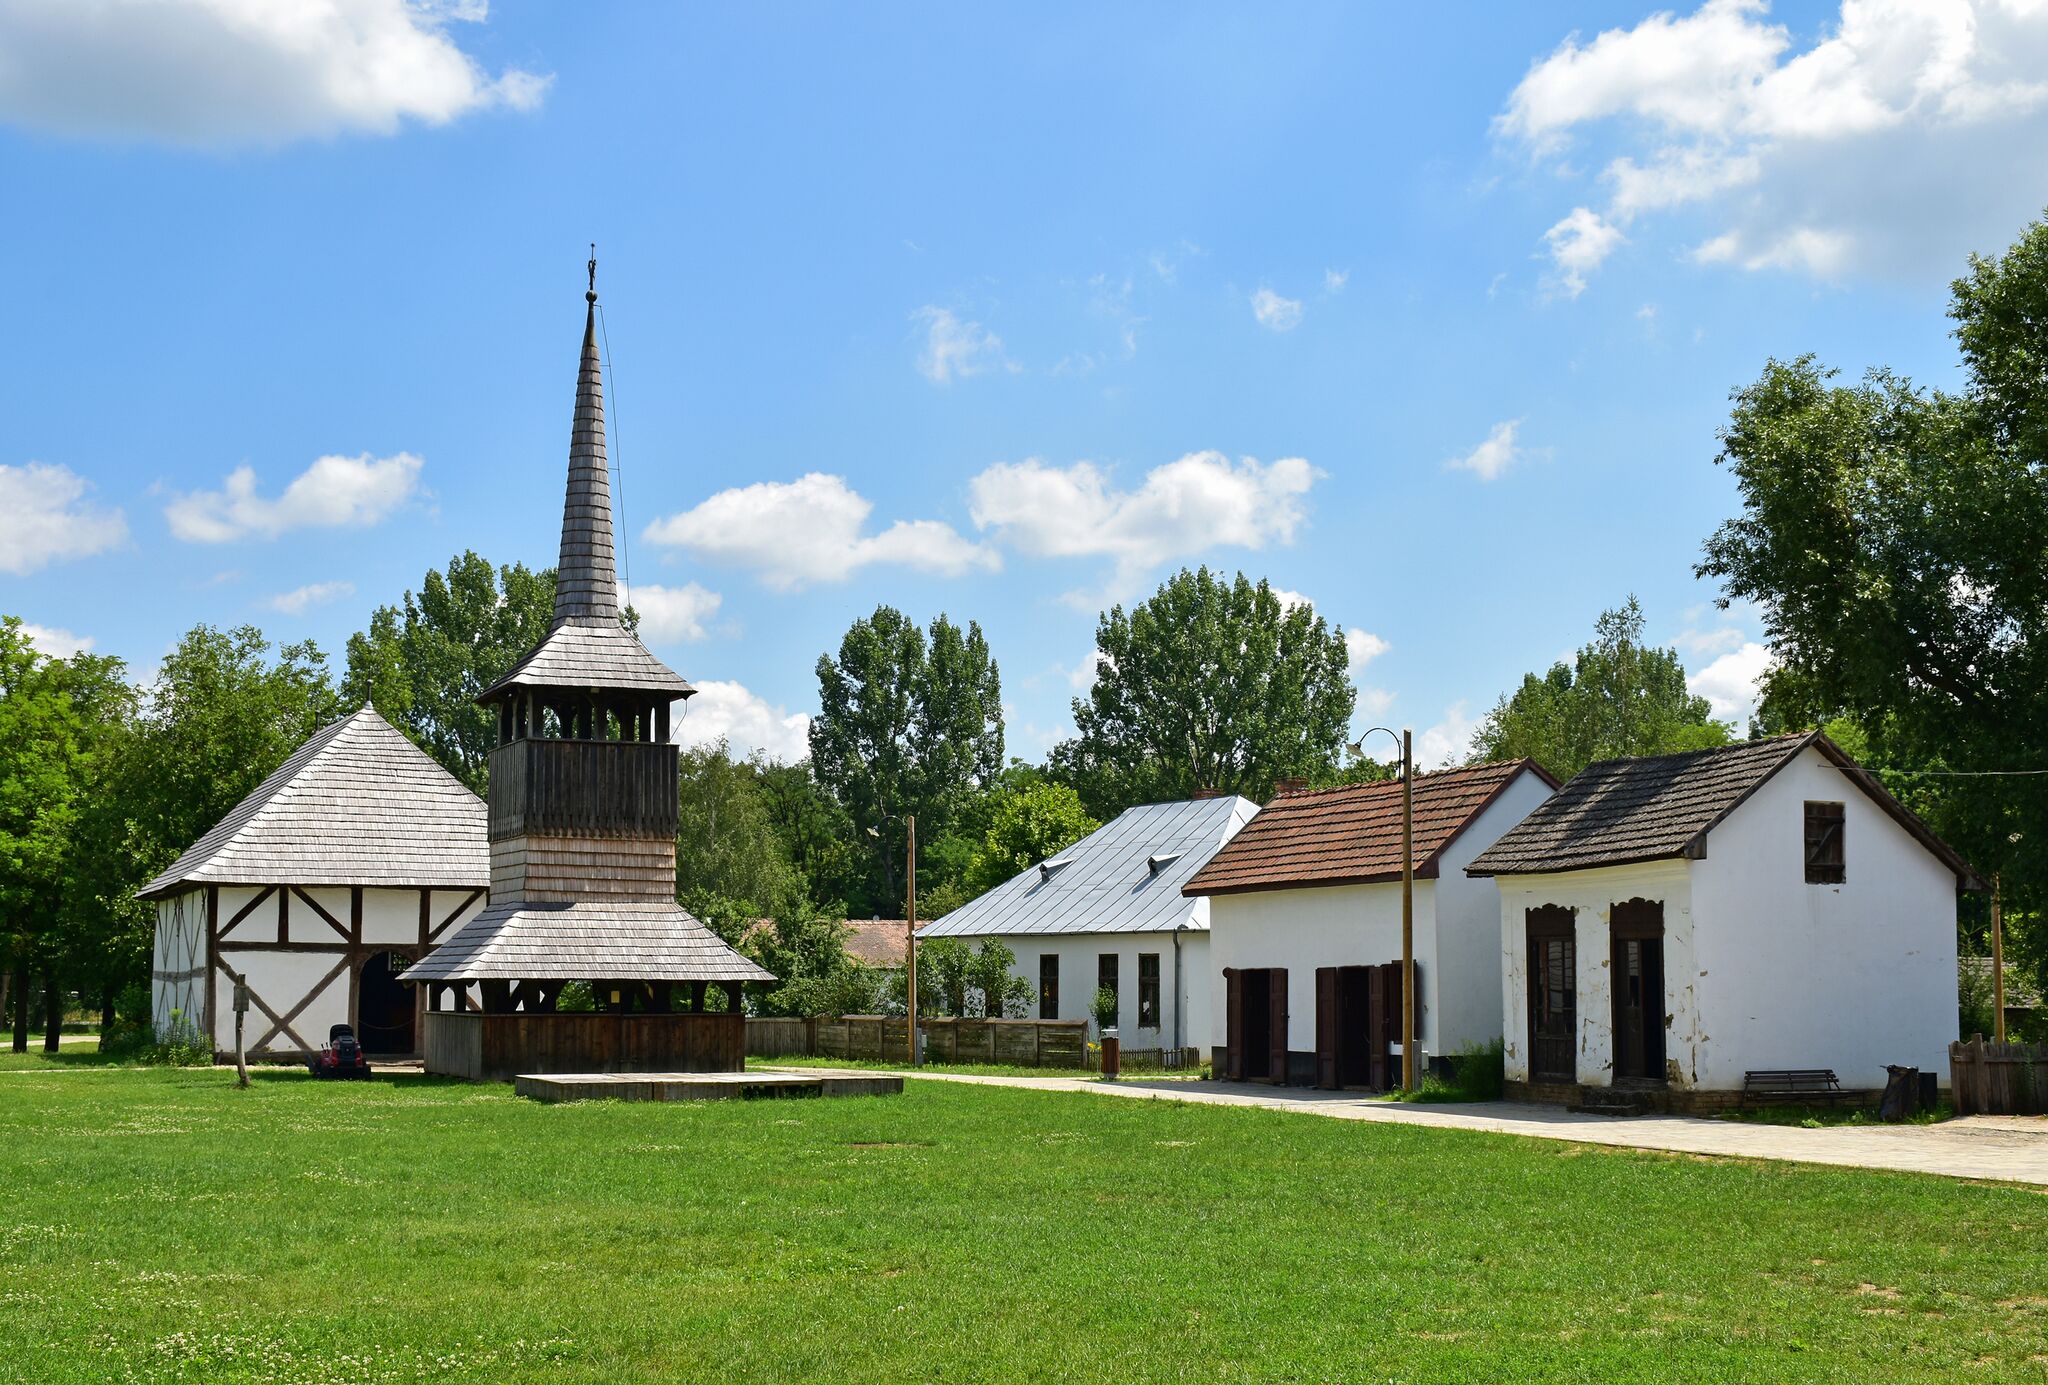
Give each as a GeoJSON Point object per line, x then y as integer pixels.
{"type": "Point", "coordinates": [1105, 974]}
{"type": "Point", "coordinates": [1148, 990]}
{"type": "Point", "coordinates": [1824, 844]}
{"type": "Point", "coordinates": [1048, 985]}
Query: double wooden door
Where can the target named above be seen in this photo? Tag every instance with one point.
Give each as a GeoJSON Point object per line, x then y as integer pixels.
{"type": "Point", "coordinates": [1553, 994]}
{"type": "Point", "coordinates": [1255, 1024]}
{"type": "Point", "coordinates": [1358, 1026]}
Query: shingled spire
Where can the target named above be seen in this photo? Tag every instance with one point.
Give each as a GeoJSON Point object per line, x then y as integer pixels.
{"type": "Point", "coordinates": [586, 577]}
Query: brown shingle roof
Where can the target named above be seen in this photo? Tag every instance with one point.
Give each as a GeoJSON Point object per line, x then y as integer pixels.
{"type": "Point", "coordinates": [357, 804]}
{"type": "Point", "coordinates": [876, 942]}
{"type": "Point", "coordinates": [1351, 835]}
{"type": "Point", "coordinates": [1660, 807]}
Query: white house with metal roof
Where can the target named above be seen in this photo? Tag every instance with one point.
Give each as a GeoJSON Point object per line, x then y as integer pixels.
{"type": "Point", "coordinates": [352, 861]}
{"type": "Point", "coordinates": [1108, 912]}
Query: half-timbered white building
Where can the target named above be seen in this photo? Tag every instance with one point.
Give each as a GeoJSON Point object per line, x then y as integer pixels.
{"type": "Point", "coordinates": [346, 866]}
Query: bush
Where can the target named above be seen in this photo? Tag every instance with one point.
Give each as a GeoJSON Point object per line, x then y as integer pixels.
{"type": "Point", "coordinates": [576, 998]}
{"type": "Point", "coordinates": [1476, 1075]}
{"type": "Point", "coordinates": [1104, 1008]}
{"type": "Point", "coordinates": [133, 1040]}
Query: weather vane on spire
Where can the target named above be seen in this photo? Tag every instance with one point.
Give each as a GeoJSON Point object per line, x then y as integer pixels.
{"type": "Point", "coordinates": [591, 294]}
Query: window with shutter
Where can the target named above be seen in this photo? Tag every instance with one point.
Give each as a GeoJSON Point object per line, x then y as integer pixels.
{"type": "Point", "coordinates": [1824, 859]}
{"type": "Point", "coordinates": [1148, 990]}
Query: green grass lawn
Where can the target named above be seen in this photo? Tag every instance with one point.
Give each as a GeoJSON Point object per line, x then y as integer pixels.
{"type": "Point", "coordinates": [161, 1225]}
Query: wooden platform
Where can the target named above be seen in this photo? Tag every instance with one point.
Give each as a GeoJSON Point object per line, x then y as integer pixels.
{"type": "Point", "coordinates": [703, 1086]}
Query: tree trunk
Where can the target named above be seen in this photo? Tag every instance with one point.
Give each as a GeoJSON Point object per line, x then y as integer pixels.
{"type": "Point", "coordinates": [107, 1015]}
{"type": "Point", "coordinates": [21, 1008]}
{"type": "Point", "coordinates": [53, 1016]}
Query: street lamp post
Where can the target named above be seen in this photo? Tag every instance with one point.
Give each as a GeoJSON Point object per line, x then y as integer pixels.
{"type": "Point", "coordinates": [1410, 1077]}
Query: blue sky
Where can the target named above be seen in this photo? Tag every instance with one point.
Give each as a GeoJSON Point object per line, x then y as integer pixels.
{"type": "Point", "coordinates": [1000, 312]}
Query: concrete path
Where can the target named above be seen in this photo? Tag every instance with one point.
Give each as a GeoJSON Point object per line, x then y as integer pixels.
{"type": "Point", "coordinates": [2009, 1148]}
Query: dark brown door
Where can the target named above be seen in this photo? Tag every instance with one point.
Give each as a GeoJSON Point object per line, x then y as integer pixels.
{"type": "Point", "coordinates": [1354, 1032]}
{"type": "Point", "coordinates": [1276, 1016]}
{"type": "Point", "coordinates": [1553, 995]}
{"type": "Point", "coordinates": [1378, 1053]}
{"type": "Point", "coordinates": [1329, 1028]}
{"type": "Point", "coordinates": [1636, 959]}
{"type": "Point", "coordinates": [1233, 1024]}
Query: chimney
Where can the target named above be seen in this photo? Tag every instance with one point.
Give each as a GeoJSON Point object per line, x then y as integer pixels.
{"type": "Point", "coordinates": [1287, 786]}
{"type": "Point", "coordinates": [1206, 793]}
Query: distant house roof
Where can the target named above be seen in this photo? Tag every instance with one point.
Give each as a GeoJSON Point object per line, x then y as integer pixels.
{"type": "Point", "coordinates": [1653, 808]}
{"type": "Point", "coordinates": [2019, 991]}
{"type": "Point", "coordinates": [357, 804]}
{"type": "Point", "coordinates": [1351, 834]}
{"type": "Point", "coordinates": [1124, 877]}
{"type": "Point", "coordinates": [877, 942]}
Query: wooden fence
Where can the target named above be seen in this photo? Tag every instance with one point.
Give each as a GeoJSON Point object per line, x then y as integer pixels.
{"type": "Point", "coordinates": [883, 1038]}
{"type": "Point", "coordinates": [1998, 1079]}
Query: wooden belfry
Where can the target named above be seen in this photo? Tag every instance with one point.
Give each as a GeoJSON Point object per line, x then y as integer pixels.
{"type": "Point", "coordinates": [582, 830]}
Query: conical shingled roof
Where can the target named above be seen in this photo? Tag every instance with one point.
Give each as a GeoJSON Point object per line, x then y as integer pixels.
{"type": "Point", "coordinates": [588, 648]}
{"type": "Point", "coordinates": [357, 804]}
{"type": "Point", "coordinates": [640, 940]}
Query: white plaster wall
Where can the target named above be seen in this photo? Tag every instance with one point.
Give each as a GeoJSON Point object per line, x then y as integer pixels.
{"type": "Point", "coordinates": [1850, 976]}
{"type": "Point", "coordinates": [282, 979]}
{"type": "Point", "coordinates": [1591, 894]}
{"type": "Point", "coordinates": [1078, 954]}
{"type": "Point", "coordinates": [1468, 992]}
{"type": "Point", "coordinates": [1333, 926]}
{"type": "Point", "coordinates": [261, 922]}
{"type": "Point", "coordinates": [440, 905]}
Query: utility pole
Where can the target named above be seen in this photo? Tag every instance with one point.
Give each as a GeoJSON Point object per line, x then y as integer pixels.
{"type": "Point", "coordinates": [1410, 1078]}
{"type": "Point", "coordinates": [1997, 966]}
{"type": "Point", "coordinates": [910, 941]}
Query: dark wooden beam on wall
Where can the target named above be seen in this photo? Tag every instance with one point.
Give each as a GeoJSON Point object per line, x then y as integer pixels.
{"type": "Point", "coordinates": [344, 931]}
{"type": "Point", "coordinates": [212, 953]}
{"type": "Point", "coordinates": [247, 909]}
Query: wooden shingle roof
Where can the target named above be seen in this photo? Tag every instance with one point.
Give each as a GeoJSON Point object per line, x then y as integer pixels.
{"type": "Point", "coordinates": [1661, 807]}
{"type": "Point", "coordinates": [357, 804]}
{"type": "Point", "coordinates": [590, 940]}
{"type": "Point", "coordinates": [1351, 834]}
{"type": "Point", "coordinates": [591, 652]}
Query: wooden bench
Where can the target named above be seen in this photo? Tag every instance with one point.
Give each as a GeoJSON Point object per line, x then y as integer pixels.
{"type": "Point", "coordinates": [1791, 1084]}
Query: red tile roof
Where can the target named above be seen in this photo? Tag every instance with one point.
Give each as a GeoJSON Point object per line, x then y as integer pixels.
{"type": "Point", "coordinates": [1351, 835]}
{"type": "Point", "coordinates": [876, 942]}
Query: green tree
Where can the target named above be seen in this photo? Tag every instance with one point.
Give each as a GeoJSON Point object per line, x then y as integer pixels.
{"type": "Point", "coordinates": [992, 982]}
{"type": "Point", "coordinates": [906, 725]}
{"type": "Point", "coordinates": [1027, 826]}
{"type": "Point", "coordinates": [1619, 697]}
{"type": "Point", "coordinates": [731, 869]}
{"type": "Point", "coordinates": [815, 832]}
{"type": "Point", "coordinates": [423, 662]}
{"type": "Point", "coordinates": [41, 742]}
{"type": "Point", "coordinates": [1895, 539]}
{"type": "Point", "coordinates": [1209, 684]}
{"type": "Point", "coordinates": [943, 966]}
{"type": "Point", "coordinates": [108, 932]}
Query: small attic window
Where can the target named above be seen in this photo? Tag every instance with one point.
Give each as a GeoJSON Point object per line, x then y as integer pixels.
{"type": "Point", "coordinates": [1047, 869]}
{"type": "Point", "coordinates": [1155, 864]}
{"type": "Point", "coordinates": [1824, 860]}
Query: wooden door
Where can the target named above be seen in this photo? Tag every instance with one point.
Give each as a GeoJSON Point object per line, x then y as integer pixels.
{"type": "Point", "coordinates": [1276, 1014]}
{"type": "Point", "coordinates": [1329, 1028]}
{"type": "Point", "coordinates": [1233, 1024]}
{"type": "Point", "coordinates": [1553, 995]}
{"type": "Point", "coordinates": [1379, 1040]}
{"type": "Point", "coordinates": [1636, 962]}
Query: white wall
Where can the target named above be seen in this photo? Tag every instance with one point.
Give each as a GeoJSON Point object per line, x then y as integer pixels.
{"type": "Point", "coordinates": [1850, 976]}
{"type": "Point", "coordinates": [178, 965]}
{"type": "Point", "coordinates": [1330, 926]}
{"type": "Point", "coordinates": [1591, 895]}
{"type": "Point", "coordinates": [1078, 954]}
{"type": "Point", "coordinates": [1468, 952]}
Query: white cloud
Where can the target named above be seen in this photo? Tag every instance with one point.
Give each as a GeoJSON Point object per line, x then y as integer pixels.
{"type": "Point", "coordinates": [333, 493]}
{"type": "Point", "coordinates": [1081, 677]}
{"type": "Point", "coordinates": [229, 72]}
{"type": "Point", "coordinates": [1901, 137]}
{"type": "Point", "coordinates": [1275, 313]}
{"type": "Point", "coordinates": [744, 721]}
{"type": "Point", "coordinates": [1493, 456]}
{"type": "Point", "coordinates": [1374, 703]}
{"type": "Point", "coordinates": [954, 349]}
{"type": "Point", "coordinates": [1448, 742]}
{"type": "Point", "coordinates": [1334, 280]}
{"type": "Point", "coordinates": [1202, 501]}
{"type": "Point", "coordinates": [673, 614]}
{"type": "Point", "coordinates": [1289, 600]}
{"type": "Point", "coordinates": [794, 533]}
{"type": "Point", "coordinates": [1578, 245]}
{"type": "Point", "coordinates": [296, 601]}
{"type": "Point", "coordinates": [1363, 647]}
{"type": "Point", "coordinates": [43, 521]}
{"type": "Point", "coordinates": [55, 643]}
{"type": "Point", "coordinates": [1732, 682]}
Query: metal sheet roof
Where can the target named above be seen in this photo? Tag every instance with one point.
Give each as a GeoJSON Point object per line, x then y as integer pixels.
{"type": "Point", "coordinates": [357, 804]}
{"type": "Point", "coordinates": [1109, 883]}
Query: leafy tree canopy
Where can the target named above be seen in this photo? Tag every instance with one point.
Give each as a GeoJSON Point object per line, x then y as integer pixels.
{"type": "Point", "coordinates": [424, 661]}
{"type": "Point", "coordinates": [731, 869]}
{"type": "Point", "coordinates": [1618, 697]}
{"type": "Point", "coordinates": [1027, 826]}
{"type": "Point", "coordinates": [1208, 684]}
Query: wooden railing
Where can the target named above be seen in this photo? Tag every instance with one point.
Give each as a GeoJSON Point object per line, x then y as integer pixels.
{"type": "Point", "coordinates": [496, 1048]}
{"type": "Point", "coordinates": [886, 1039]}
{"type": "Point", "coordinates": [583, 788]}
{"type": "Point", "coordinates": [1988, 1079]}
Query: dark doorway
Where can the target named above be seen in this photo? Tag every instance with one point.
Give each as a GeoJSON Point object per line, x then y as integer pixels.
{"type": "Point", "coordinates": [384, 1007]}
{"type": "Point", "coordinates": [1346, 1027]}
{"type": "Point", "coordinates": [1636, 955]}
{"type": "Point", "coordinates": [1553, 995]}
{"type": "Point", "coordinates": [1255, 1019]}
{"type": "Point", "coordinates": [1258, 1026]}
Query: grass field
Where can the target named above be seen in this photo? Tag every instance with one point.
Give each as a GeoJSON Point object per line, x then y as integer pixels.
{"type": "Point", "coordinates": [160, 1225]}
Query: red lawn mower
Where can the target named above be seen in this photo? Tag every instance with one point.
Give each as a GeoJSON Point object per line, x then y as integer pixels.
{"type": "Point", "coordinates": [340, 1056]}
